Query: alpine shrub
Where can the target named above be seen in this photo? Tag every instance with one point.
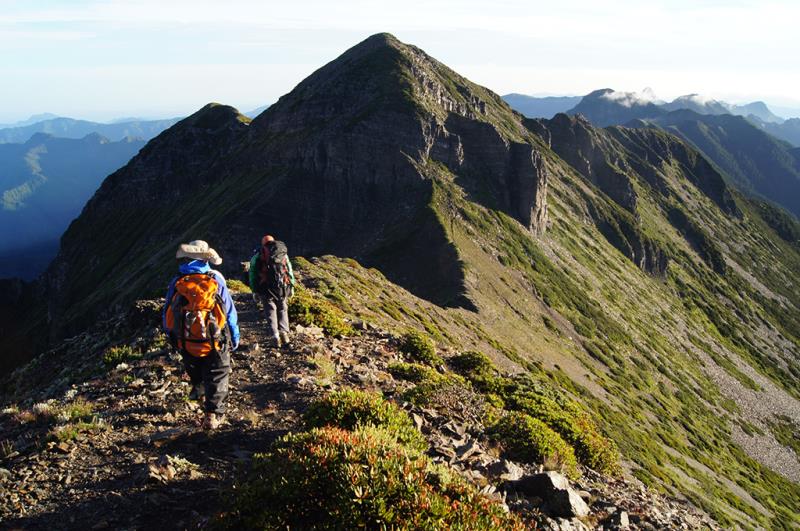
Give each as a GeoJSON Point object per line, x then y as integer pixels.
{"type": "Point", "coordinates": [308, 310]}
{"type": "Point", "coordinates": [420, 348]}
{"type": "Point", "coordinates": [351, 409]}
{"type": "Point", "coordinates": [479, 370]}
{"type": "Point", "coordinates": [329, 478]}
{"type": "Point", "coordinates": [575, 426]}
{"type": "Point", "coordinates": [414, 372]}
{"type": "Point", "coordinates": [237, 286]}
{"type": "Point", "coordinates": [116, 355]}
{"type": "Point", "coordinates": [527, 439]}
{"type": "Point", "coordinates": [472, 362]}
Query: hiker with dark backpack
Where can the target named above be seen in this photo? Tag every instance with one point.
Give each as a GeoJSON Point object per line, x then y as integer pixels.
{"type": "Point", "coordinates": [200, 319]}
{"type": "Point", "coordinates": [272, 280]}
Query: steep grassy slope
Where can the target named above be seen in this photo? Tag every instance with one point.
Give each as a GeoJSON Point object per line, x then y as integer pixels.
{"type": "Point", "coordinates": [754, 160]}
{"type": "Point", "coordinates": [685, 401]}
{"type": "Point", "coordinates": [672, 316]}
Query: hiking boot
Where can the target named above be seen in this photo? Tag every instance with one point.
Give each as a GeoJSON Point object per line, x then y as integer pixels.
{"type": "Point", "coordinates": [284, 337]}
{"type": "Point", "coordinates": [212, 421]}
{"type": "Point", "coordinates": [274, 342]}
{"type": "Point", "coordinates": [197, 392]}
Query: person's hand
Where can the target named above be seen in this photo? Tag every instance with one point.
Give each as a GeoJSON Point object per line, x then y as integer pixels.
{"type": "Point", "coordinates": [291, 292]}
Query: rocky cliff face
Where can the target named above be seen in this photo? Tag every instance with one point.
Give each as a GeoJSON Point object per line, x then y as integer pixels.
{"type": "Point", "coordinates": [593, 155]}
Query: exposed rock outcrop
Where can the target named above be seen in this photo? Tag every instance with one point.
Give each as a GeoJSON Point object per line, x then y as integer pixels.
{"type": "Point", "coordinates": [594, 156]}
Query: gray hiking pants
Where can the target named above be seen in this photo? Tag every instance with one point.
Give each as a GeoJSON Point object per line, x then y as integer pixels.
{"type": "Point", "coordinates": [277, 314]}
{"type": "Point", "coordinates": [212, 372]}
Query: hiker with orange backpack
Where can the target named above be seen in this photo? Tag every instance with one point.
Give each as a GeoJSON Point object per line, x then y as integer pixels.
{"type": "Point", "coordinates": [272, 280]}
{"type": "Point", "coordinates": [200, 319]}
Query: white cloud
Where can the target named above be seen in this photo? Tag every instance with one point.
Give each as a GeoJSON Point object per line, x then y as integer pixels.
{"type": "Point", "coordinates": [729, 49]}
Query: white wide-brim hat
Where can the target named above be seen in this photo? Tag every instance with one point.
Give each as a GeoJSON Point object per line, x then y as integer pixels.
{"type": "Point", "coordinates": [198, 250]}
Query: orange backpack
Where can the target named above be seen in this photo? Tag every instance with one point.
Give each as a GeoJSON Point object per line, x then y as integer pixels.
{"type": "Point", "coordinates": [196, 317]}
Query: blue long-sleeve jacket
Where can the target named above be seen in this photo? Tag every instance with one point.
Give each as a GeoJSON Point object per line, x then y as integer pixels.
{"type": "Point", "coordinates": [200, 266]}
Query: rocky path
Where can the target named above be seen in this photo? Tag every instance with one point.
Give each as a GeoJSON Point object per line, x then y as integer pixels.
{"type": "Point", "coordinates": [152, 467]}
{"type": "Point", "coordinates": [152, 459]}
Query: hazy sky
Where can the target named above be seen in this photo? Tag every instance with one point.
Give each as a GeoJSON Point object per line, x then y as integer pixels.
{"type": "Point", "coordinates": [107, 59]}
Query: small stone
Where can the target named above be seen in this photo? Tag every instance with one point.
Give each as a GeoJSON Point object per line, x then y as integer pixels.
{"type": "Point", "coordinates": [418, 421]}
{"type": "Point", "coordinates": [63, 447]}
{"type": "Point", "coordinates": [466, 451]}
{"type": "Point", "coordinates": [5, 474]}
{"type": "Point", "coordinates": [619, 520]}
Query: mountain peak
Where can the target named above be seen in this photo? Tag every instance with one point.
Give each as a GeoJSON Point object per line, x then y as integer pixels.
{"type": "Point", "coordinates": [216, 116]}
{"type": "Point", "coordinates": [381, 39]}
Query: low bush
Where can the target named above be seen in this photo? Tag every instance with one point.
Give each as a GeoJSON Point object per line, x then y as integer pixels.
{"type": "Point", "coordinates": [414, 372]}
{"type": "Point", "coordinates": [237, 286]}
{"type": "Point", "coordinates": [471, 362]}
{"type": "Point", "coordinates": [78, 410]}
{"type": "Point", "coordinates": [351, 409]}
{"type": "Point", "coordinates": [480, 371]}
{"type": "Point", "coordinates": [71, 431]}
{"type": "Point", "coordinates": [119, 354]}
{"type": "Point", "coordinates": [530, 440]}
{"type": "Point", "coordinates": [329, 478]}
{"type": "Point", "coordinates": [308, 310]}
{"type": "Point", "coordinates": [419, 348]}
{"type": "Point", "coordinates": [575, 426]}
{"type": "Point", "coordinates": [451, 395]}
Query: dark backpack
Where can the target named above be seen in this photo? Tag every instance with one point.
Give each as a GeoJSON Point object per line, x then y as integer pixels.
{"type": "Point", "coordinates": [274, 273]}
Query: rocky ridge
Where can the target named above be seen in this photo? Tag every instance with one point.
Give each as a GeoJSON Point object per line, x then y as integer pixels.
{"type": "Point", "coordinates": [142, 456]}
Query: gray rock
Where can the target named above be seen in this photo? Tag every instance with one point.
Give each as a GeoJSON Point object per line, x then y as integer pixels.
{"type": "Point", "coordinates": [566, 503]}
{"type": "Point", "coordinates": [504, 469]}
{"type": "Point", "coordinates": [542, 484]}
{"type": "Point", "coordinates": [619, 520]}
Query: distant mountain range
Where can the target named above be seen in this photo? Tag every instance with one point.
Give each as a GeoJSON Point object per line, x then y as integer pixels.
{"type": "Point", "coordinates": [749, 143]}
{"type": "Point", "coordinates": [71, 128]}
{"type": "Point", "coordinates": [606, 107]}
{"type": "Point", "coordinates": [546, 107]}
{"type": "Point", "coordinates": [44, 184]}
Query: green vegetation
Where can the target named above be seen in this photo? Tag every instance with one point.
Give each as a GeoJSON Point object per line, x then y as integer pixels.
{"type": "Point", "coordinates": [324, 368]}
{"type": "Point", "coordinates": [77, 410]}
{"type": "Point", "coordinates": [330, 478]}
{"type": "Point", "coordinates": [420, 348]}
{"type": "Point", "coordinates": [120, 354]}
{"type": "Point", "coordinates": [783, 223]}
{"type": "Point", "coordinates": [350, 409]}
{"type": "Point", "coordinates": [71, 431]}
{"type": "Point", "coordinates": [786, 432]}
{"type": "Point", "coordinates": [439, 390]}
{"type": "Point", "coordinates": [530, 440]}
{"type": "Point", "coordinates": [574, 425]}
{"type": "Point", "coordinates": [237, 286]}
{"type": "Point", "coordinates": [472, 362]}
{"type": "Point", "coordinates": [414, 372]}
{"type": "Point", "coordinates": [307, 309]}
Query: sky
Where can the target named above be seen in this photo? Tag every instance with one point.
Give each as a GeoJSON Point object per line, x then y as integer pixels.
{"type": "Point", "coordinates": [108, 59]}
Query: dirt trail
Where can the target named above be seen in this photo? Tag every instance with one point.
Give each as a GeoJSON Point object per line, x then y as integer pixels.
{"type": "Point", "coordinates": [122, 478]}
